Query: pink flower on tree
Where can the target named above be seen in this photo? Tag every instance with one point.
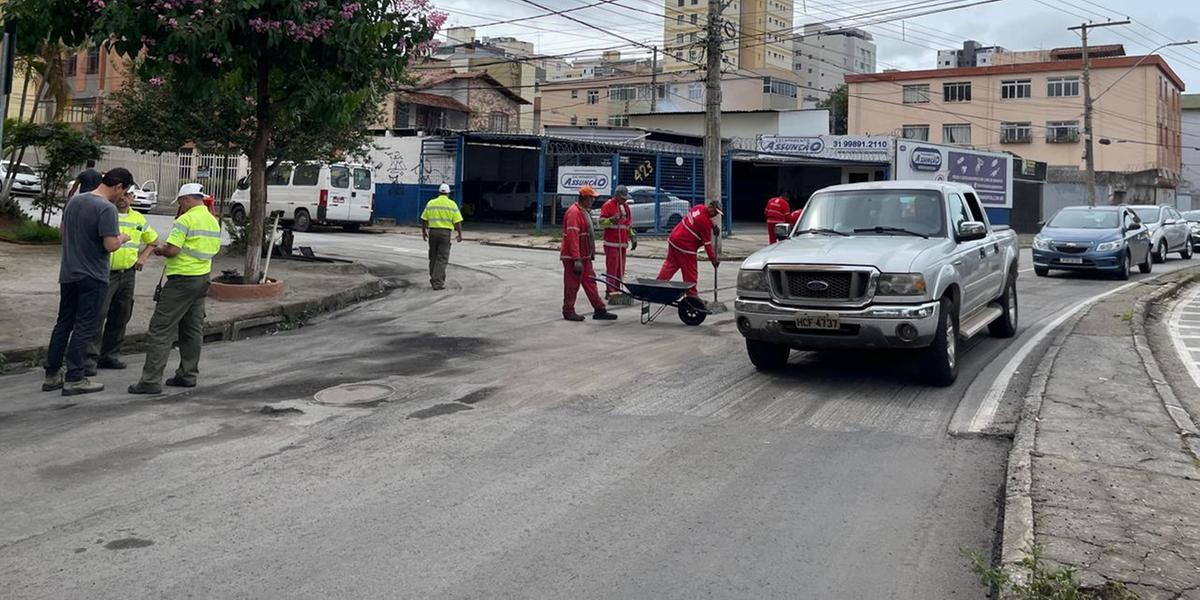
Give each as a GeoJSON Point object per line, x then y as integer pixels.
{"type": "Point", "coordinates": [157, 81]}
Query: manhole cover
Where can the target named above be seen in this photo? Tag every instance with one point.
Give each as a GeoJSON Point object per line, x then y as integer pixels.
{"type": "Point", "coordinates": [354, 393]}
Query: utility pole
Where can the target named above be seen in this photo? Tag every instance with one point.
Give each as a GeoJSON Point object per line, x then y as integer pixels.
{"type": "Point", "coordinates": [654, 79]}
{"type": "Point", "coordinates": [1089, 157]}
{"type": "Point", "coordinates": [712, 104]}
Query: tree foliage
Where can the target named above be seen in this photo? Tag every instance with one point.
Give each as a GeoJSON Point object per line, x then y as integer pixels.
{"type": "Point", "coordinates": [838, 105]}
{"type": "Point", "coordinates": [63, 150]}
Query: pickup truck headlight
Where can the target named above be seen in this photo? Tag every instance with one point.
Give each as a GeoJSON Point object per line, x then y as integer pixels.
{"type": "Point", "coordinates": [900, 284]}
{"type": "Point", "coordinates": [1110, 246]}
{"type": "Point", "coordinates": [752, 281]}
{"type": "Point", "coordinates": [1041, 243]}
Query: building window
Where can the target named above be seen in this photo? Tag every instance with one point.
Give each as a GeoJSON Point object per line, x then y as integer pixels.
{"type": "Point", "coordinates": [593, 97]}
{"type": "Point", "coordinates": [691, 55]}
{"type": "Point", "coordinates": [1062, 87]}
{"type": "Point", "coordinates": [93, 60]}
{"type": "Point", "coordinates": [71, 66]}
{"type": "Point", "coordinates": [679, 39]}
{"type": "Point", "coordinates": [574, 94]}
{"type": "Point", "coordinates": [679, 20]}
{"type": "Point", "coordinates": [695, 2]}
{"type": "Point", "coordinates": [1013, 89]}
{"type": "Point", "coordinates": [574, 120]}
{"type": "Point", "coordinates": [1062, 132]}
{"type": "Point", "coordinates": [680, 2]}
{"type": "Point", "coordinates": [622, 93]}
{"type": "Point", "coordinates": [499, 121]}
{"type": "Point", "coordinates": [695, 91]}
{"type": "Point", "coordinates": [779, 87]}
{"type": "Point", "coordinates": [956, 133]}
{"type": "Point", "coordinates": [1016, 133]}
{"type": "Point", "coordinates": [593, 121]}
{"type": "Point", "coordinates": [694, 17]}
{"type": "Point", "coordinates": [692, 36]}
{"type": "Point", "coordinates": [915, 132]}
{"type": "Point", "coordinates": [956, 92]}
{"type": "Point", "coordinates": [618, 120]}
{"type": "Point", "coordinates": [663, 90]}
{"type": "Point", "coordinates": [916, 94]}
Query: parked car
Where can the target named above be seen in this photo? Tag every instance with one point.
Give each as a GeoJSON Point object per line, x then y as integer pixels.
{"type": "Point", "coordinates": [1193, 219]}
{"type": "Point", "coordinates": [145, 196]}
{"type": "Point", "coordinates": [671, 210]}
{"type": "Point", "coordinates": [1169, 231]}
{"type": "Point", "coordinates": [512, 197]}
{"type": "Point", "coordinates": [26, 182]}
{"type": "Point", "coordinates": [890, 264]}
{"type": "Point", "coordinates": [1101, 238]}
{"type": "Point", "coordinates": [314, 193]}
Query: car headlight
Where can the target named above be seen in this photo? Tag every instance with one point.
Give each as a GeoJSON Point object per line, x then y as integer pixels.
{"type": "Point", "coordinates": [1041, 243]}
{"type": "Point", "coordinates": [752, 281]}
{"type": "Point", "coordinates": [900, 284]}
{"type": "Point", "coordinates": [1109, 246]}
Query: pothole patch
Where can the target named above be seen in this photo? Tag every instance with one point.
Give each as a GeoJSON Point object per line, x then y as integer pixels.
{"type": "Point", "coordinates": [355, 394]}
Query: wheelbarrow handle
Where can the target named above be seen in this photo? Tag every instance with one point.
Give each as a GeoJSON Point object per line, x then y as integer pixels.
{"type": "Point", "coordinates": [607, 279]}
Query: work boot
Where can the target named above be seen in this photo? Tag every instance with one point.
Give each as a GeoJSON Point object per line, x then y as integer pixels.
{"type": "Point", "coordinates": [115, 364]}
{"type": "Point", "coordinates": [178, 381]}
{"type": "Point", "coordinates": [142, 387]}
{"type": "Point", "coordinates": [603, 315]}
{"type": "Point", "coordinates": [573, 317]}
{"type": "Point", "coordinates": [83, 386]}
{"type": "Point", "coordinates": [53, 382]}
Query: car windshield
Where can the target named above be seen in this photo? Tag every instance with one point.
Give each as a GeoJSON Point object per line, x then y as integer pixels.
{"type": "Point", "coordinates": [1192, 215]}
{"type": "Point", "coordinates": [1086, 219]}
{"type": "Point", "coordinates": [875, 212]}
{"type": "Point", "coordinates": [26, 170]}
{"type": "Point", "coordinates": [1148, 214]}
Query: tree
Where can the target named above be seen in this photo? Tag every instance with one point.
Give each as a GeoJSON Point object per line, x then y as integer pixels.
{"type": "Point", "coordinates": [838, 106]}
{"type": "Point", "coordinates": [63, 149]}
{"type": "Point", "coordinates": [299, 65]}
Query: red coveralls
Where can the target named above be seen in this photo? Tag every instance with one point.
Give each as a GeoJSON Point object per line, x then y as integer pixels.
{"type": "Point", "coordinates": [616, 240]}
{"type": "Point", "coordinates": [578, 243]}
{"type": "Point", "coordinates": [693, 231]}
{"type": "Point", "coordinates": [795, 217]}
{"type": "Point", "coordinates": [777, 212]}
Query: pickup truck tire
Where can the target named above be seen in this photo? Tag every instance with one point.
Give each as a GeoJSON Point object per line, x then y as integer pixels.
{"type": "Point", "coordinates": [1186, 253]}
{"type": "Point", "coordinates": [1147, 265]}
{"type": "Point", "coordinates": [1041, 271]}
{"type": "Point", "coordinates": [302, 222]}
{"type": "Point", "coordinates": [767, 356]}
{"type": "Point", "coordinates": [941, 357]}
{"type": "Point", "coordinates": [1123, 268]}
{"type": "Point", "coordinates": [1006, 325]}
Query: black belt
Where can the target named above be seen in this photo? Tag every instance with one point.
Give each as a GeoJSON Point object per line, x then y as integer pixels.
{"type": "Point", "coordinates": [186, 276]}
{"type": "Point", "coordinates": [120, 271]}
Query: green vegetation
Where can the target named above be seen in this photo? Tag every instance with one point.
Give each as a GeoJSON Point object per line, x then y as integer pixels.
{"type": "Point", "coordinates": [1044, 581]}
{"type": "Point", "coordinates": [30, 231]}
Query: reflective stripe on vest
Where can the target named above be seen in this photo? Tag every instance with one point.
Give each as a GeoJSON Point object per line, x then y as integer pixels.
{"type": "Point", "coordinates": [672, 244]}
{"type": "Point", "coordinates": [134, 225]}
{"type": "Point", "coordinates": [201, 242]}
{"type": "Point", "coordinates": [615, 245]}
{"type": "Point", "coordinates": [441, 213]}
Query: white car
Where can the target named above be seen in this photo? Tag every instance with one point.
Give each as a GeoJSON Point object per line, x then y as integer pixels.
{"type": "Point", "coordinates": [512, 197]}
{"type": "Point", "coordinates": [145, 196]}
{"type": "Point", "coordinates": [671, 210]}
{"type": "Point", "coordinates": [26, 182]}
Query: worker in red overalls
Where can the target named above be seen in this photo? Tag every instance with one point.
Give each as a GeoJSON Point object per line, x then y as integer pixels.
{"type": "Point", "coordinates": [777, 212]}
{"type": "Point", "coordinates": [578, 251]}
{"type": "Point", "coordinates": [616, 220]}
{"type": "Point", "coordinates": [795, 217]}
{"type": "Point", "coordinates": [683, 246]}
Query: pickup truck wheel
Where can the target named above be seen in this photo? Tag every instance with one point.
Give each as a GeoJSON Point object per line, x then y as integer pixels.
{"type": "Point", "coordinates": [1006, 325]}
{"type": "Point", "coordinates": [1186, 253]}
{"type": "Point", "coordinates": [767, 356]}
{"type": "Point", "coordinates": [302, 222]}
{"type": "Point", "coordinates": [1041, 271]}
{"type": "Point", "coordinates": [1123, 268]}
{"type": "Point", "coordinates": [941, 357]}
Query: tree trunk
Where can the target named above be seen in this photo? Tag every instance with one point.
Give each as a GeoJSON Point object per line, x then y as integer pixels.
{"type": "Point", "coordinates": [258, 176]}
{"type": "Point", "coordinates": [8, 206]}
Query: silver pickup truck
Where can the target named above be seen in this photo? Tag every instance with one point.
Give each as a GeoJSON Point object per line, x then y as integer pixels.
{"type": "Point", "coordinates": [893, 264]}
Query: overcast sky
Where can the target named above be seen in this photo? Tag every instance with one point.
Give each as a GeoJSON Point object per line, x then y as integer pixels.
{"type": "Point", "coordinates": [911, 44]}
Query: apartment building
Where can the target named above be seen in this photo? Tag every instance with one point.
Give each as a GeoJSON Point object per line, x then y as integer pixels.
{"type": "Point", "coordinates": [757, 34]}
{"type": "Point", "coordinates": [1033, 109]}
{"type": "Point", "coordinates": [824, 56]}
{"type": "Point", "coordinates": [91, 75]}
{"type": "Point", "coordinates": [1190, 103]}
{"type": "Point", "coordinates": [609, 101]}
{"type": "Point", "coordinates": [972, 54]}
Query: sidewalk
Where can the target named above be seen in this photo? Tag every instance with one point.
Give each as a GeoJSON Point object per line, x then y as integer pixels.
{"type": "Point", "coordinates": [1103, 473]}
{"type": "Point", "coordinates": [29, 299]}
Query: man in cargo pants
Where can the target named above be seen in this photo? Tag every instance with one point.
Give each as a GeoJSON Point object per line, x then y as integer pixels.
{"type": "Point", "coordinates": [441, 215]}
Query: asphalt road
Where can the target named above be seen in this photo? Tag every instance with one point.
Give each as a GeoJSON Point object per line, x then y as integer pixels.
{"type": "Point", "coordinates": [502, 452]}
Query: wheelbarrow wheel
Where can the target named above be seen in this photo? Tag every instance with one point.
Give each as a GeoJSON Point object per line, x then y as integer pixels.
{"type": "Point", "coordinates": [692, 311]}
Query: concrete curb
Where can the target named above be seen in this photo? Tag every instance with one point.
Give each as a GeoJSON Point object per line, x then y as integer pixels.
{"type": "Point", "coordinates": [1017, 537]}
{"type": "Point", "coordinates": [241, 327]}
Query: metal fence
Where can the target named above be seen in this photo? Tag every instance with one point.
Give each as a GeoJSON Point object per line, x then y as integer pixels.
{"type": "Point", "coordinates": [168, 170]}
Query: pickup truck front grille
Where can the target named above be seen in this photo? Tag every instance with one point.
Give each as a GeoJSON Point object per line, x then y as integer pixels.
{"type": "Point", "coordinates": [823, 286]}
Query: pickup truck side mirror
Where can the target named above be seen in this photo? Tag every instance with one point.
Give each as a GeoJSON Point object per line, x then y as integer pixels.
{"type": "Point", "coordinates": [782, 230]}
{"type": "Point", "coordinates": [971, 230]}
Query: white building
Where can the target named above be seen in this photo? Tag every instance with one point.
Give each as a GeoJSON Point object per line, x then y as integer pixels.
{"type": "Point", "coordinates": [1189, 188]}
{"type": "Point", "coordinates": [971, 55]}
{"type": "Point", "coordinates": [824, 56]}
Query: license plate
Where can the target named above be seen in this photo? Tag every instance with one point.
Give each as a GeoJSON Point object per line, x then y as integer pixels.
{"type": "Point", "coordinates": [1071, 261]}
{"type": "Point", "coordinates": [818, 321]}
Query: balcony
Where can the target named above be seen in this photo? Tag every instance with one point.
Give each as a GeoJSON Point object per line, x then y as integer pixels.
{"type": "Point", "coordinates": [1062, 137]}
{"type": "Point", "coordinates": [1016, 137]}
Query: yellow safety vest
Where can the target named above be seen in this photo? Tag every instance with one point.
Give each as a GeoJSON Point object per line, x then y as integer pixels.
{"type": "Point", "coordinates": [198, 236]}
{"type": "Point", "coordinates": [140, 233]}
{"type": "Point", "coordinates": [441, 213]}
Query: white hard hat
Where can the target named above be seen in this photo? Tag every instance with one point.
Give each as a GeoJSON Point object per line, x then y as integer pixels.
{"type": "Point", "coordinates": [190, 189]}
{"type": "Point", "coordinates": [443, 189]}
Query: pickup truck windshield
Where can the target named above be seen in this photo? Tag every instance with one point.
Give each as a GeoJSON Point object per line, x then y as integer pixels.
{"type": "Point", "coordinates": [1085, 219]}
{"type": "Point", "coordinates": [876, 212]}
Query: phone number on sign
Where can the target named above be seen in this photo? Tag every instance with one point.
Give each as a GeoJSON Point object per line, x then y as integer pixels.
{"type": "Point", "coordinates": [860, 144]}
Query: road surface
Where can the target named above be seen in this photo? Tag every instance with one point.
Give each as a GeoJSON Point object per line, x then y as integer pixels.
{"type": "Point", "coordinates": [501, 452]}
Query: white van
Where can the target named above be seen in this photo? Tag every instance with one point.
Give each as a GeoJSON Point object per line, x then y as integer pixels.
{"type": "Point", "coordinates": [314, 193]}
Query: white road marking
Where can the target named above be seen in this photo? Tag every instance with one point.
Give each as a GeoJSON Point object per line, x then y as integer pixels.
{"type": "Point", "coordinates": [991, 401]}
{"type": "Point", "coordinates": [1186, 352]}
{"type": "Point", "coordinates": [397, 249]}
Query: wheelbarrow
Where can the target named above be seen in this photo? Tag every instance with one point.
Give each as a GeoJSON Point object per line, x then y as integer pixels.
{"type": "Point", "coordinates": [692, 310]}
